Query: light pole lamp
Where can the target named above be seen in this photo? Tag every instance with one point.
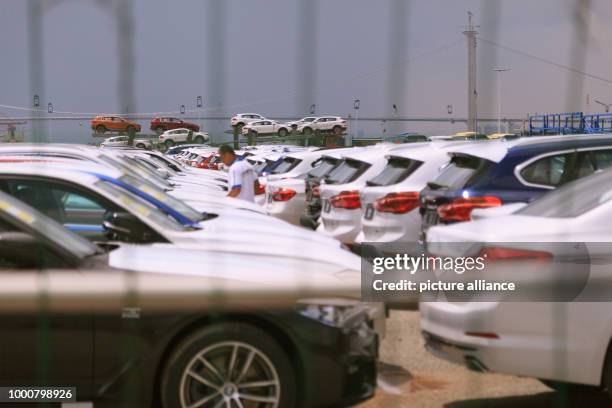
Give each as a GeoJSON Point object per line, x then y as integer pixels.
{"type": "Point", "coordinates": [182, 109]}
{"type": "Point", "coordinates": [499, 97]}
{"type": "Point", "coordinates": [313, 108]}
{"type": "Point", "coordinates": [199, 102]}
{"type": "Point", "coordinates": [36, 101]}
{"type": "Point", "coordinates": [49, 107]}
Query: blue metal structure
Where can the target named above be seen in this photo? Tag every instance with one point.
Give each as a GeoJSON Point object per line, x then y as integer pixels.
{"type": "Point", "coordinates": [557, 123]}
{"type": "Point", "coordinates": [570, 123]}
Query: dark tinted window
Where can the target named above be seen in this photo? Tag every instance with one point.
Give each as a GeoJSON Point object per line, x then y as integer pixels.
{"type": "Point", "coordinates": [602, 158]}
{"type": "Point", "coordinates": [547, 171]}
{"type": "Point", "coordinates": [323, 167]}
{"type": "Point", "coordinates": [462, 171]}
{"type": "Point", "coordinates": [347, 171]}
{"type": "Point", "coordinates": [287, 164]}
{"type": "Point", "coordinates": [396, 171]}
{"type": "Point", "coordinates": [572, 199]}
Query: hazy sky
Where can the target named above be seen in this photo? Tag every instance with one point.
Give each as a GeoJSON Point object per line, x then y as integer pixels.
{"type": "Point", "coordinates": [244, 55]}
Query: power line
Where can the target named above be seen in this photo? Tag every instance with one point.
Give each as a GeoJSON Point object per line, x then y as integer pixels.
{"type": "Point", "coordinates": [546, 61]}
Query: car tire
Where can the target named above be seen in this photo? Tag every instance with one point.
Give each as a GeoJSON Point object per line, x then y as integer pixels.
{"type": "Point", "coordinates": [239, 127]}
{"type": "Point", "coordinates": [100, 129]}
{"type": "Point", "coordinates": [209, 352]}
{"type": "Point", "coordinates": [140, 145]}
{"type": "Point", "coordinates": [337, 130]}
{"type": "Point", "coordinates": [199, 140]}
{"type": "Point", "coordinates": [282, 132]}
{"type": "Point", "coordinates": [169, 143]}
{"type": "Point", "coordinates": [307, 131]}
{"type": "Point", "coordinates": [159, 130]}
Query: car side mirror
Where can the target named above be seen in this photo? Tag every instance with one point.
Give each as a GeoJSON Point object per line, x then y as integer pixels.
{"type": "Point", "coordinates": [165, 174]}
{"type": "Point", "coordinates": [123, 226]}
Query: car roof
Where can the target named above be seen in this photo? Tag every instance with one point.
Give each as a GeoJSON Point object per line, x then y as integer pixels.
{"type": "Point", "coordinates": [420, 151]}
{"type": "Point", "coordinates": [370, 154]}
{"type": "Point", "coordinates": [87, 174]}
{"type": "Point", "coordinates": [496, 150]}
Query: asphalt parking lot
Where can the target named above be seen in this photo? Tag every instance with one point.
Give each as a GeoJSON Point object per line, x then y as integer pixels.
{"type": "Point", "coordinates": [431, 382]}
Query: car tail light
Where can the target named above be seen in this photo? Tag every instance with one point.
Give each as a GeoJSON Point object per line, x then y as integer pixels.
{"type": "Point", "coordinates": [349, 200]}
{"type": "Point", "coordinates": [398, 203]}
{"type": "Point", "coordinates": [316, 191]}
{"type": "Point", "coordinates": [261, 189]}
{"type": "Point", "coordinates": [461, 209]}
{"type": "Point", "coordinates": [284, 194]}
{"type": "Point", "coordinates": [494, 254]}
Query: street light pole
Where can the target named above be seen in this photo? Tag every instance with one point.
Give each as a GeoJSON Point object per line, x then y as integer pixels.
{"type": "Point", "coordinates": [499, 71]}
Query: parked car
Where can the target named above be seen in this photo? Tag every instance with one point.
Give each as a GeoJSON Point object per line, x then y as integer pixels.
{"type": "Point", "coordinates": [103, 124]}
{"type": "Point", "coordinates": [175, 150]}
{"type": "Point", "coordinates": [265, 127]}
{"type": "Point", "coordinates": [118, 141]}
{"type": "Point", "coordinates": [494, 173]}
{"type": "Point", "coordinates": [390, 200]}
{"type": "Point", "coordinates": [293, 125]}
{"type": "Point", "coordinates": [162, 124]}
{"type": "Point", "coordinates": [241, 119]}
{"type": "Point", "coordinates": [340, 192]}
{"type": "Point", "coordinates": [194, 357]}
{"type": "Point", "coordinates": [333, 124]}
{"type": "Point", "coordinates": [176, 136]}
{"type": "Point", "coordinates": [329, 161]}
{"type": "Point", "coordinates": [285, 186]}
{"type": "Point", "coordinates": [531, 338]}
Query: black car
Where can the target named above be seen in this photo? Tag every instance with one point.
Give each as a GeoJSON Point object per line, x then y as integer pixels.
{"type": "Point", "coordinates": [255, 358]}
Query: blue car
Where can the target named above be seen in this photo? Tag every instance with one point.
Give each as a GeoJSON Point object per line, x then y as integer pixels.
{"type": "Point", "coordinates": [495, 173]}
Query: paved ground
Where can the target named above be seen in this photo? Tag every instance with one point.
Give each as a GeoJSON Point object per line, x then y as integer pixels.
{"type": "Point", "coordinates": [435, 383]}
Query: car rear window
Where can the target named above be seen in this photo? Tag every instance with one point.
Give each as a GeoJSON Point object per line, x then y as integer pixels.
{"type": "Point", "coordinates": [461, 172]}
{"type": "Point", "coordinates": [573, 199]}
{"type": "Point", "coordinates": [396, 171]}
{"type": "Point", "coordinates": [287, 164]}
{"type": "Point", "coordinates": [324, 166]}
{"type": "Point", "coordinates": [349, 170]}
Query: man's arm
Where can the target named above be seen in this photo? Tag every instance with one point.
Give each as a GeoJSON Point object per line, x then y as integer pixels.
{"type": "Point", "coordinates": [234, 191]}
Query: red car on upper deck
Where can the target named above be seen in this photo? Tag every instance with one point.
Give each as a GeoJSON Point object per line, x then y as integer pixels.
{"type": "Point", "coordinates": [160, 125]}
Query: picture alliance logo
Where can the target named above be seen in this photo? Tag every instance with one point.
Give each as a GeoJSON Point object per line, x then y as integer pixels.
{"type": "Point", "coordinates": [413, 264]}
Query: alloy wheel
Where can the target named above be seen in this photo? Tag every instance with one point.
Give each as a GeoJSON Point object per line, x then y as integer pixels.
{"type": "Point", "coordinates": [230, 375]}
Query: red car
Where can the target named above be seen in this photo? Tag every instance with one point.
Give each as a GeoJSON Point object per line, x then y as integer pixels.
{"type": "Point", "coordinates": [160, 125]}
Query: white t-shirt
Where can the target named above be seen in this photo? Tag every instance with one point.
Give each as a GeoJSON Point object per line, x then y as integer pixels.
{"type": "Point", "coordinates": [241, 174]}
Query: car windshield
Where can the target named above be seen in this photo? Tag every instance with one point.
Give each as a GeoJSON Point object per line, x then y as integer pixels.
{"type": "Point", "coordinates": [396, 171]}
{"type": "Point", "coordinates": [164, 198]}
{"type": "Point", "coordinates": [323, 166]}
{"type": "Point", "coordinates": [140, 207]}
{"type": "Point", "coordinates": [51, 231]}
{"type": "Point", "coordinates": [287, 164]}
{"type": "Point", "coordinates": [349, 170]}
{"type": "Point", "coordinates": [270, 166]}
{"type": "Point", "coordinates": [573, 199]}
{"type": "Point", "coordinates": [461, 172]}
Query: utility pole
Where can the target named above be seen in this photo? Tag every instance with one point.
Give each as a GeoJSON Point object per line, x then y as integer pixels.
{"type": "Point", "coordinates": [471, 33]}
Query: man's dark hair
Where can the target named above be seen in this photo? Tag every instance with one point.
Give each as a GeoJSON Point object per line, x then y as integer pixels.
{"type": "Point", "coordinates": [226, 149]}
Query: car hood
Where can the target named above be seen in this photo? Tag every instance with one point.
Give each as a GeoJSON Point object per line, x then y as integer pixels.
{"type": "Point", "coordinates": [228, 262]}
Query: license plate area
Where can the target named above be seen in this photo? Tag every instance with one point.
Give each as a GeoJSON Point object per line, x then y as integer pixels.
{"type": "Point", "coordinates": [326, 206]}
{"type": "Point", "coordinates": [369, 212]}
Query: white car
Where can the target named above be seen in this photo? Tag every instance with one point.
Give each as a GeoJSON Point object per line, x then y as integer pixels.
{"type": "Point", "coordinates": [241, 119]}
{"type": "Point", "coordinates": [390, 201]}
{"type": "Point", "coordinates": [334, 124]}
{"type": "Point", "coordinates": [341, 192]}
{"type": "Point", "coordinates": [94, 199]}
{"type": "Point", "coordinates": [559, 342]}
{"type": "Point", "coordinates": [293, 125]}
{"type": "Point", "coordinates": [266, 127]}
{"type": "Point", "coordinates": [117, 141]}
{"type": "Point", "coordinates": [176, 136]}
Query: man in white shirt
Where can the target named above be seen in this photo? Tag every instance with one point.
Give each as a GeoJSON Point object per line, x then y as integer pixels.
{"type": "Point", "coordinates": [242, 180]}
